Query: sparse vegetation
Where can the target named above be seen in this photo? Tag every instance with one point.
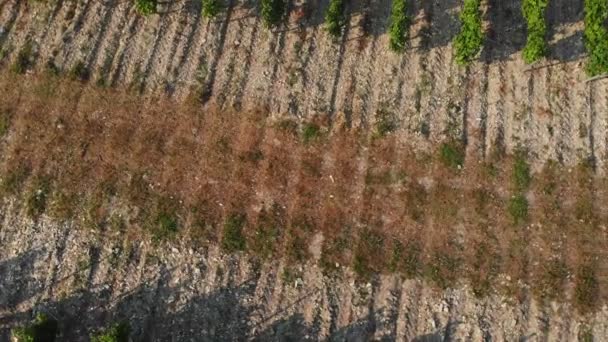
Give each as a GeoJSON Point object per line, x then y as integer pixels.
{"type": "Point", "coordinates": [334, 17]}
{"type": "Point", "coordinates": [518, 208]}
{"type": "Point", "coordinates": [399, 26]}
{"type": "Point", "coordinates": [79, 71]}
{"type": "Point", "coordinates": [145, 7]}
{"type": "Point", "coordinates": [43, 329]}
{"type": "Point", "coordinates": [36, 201]}
{"type": "Point", "coordinates": [310, 132]}
{"type": "Point", "coordinates": [272, 11]}
{"type": "Point", "coordinates": [210, 8]}
{"type": "Point", "coordinates": [596, 36]}
{"type": "Point", "coordinates": [469, 41]}
{"type": "Point", "coordinates": [233, 239]}
{"type": "Point", "coordinates": [534, 12]}
{"type": "Point", "coordinates": [118, 332]}
{"type": "Point", "coordinates": [5, 122]}
{"type": "Point", "coordinates": [451, 155]}
{"type": "Point", "coordinates": [521, 172]}
{"type": "Point", "coordinates": [24, 59]}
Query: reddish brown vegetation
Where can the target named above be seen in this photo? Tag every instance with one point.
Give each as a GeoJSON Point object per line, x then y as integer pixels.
{"type": "Point", "coordinates": [112, 160]}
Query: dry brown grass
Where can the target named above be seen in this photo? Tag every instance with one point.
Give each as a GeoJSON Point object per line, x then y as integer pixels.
{"type": "Point", "coordinates": [110, 159]}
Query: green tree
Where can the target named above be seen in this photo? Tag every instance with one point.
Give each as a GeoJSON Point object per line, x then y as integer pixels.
{"type": "Point", "coordinates": [272, 11]}
{"type": "Point", "coordinates": [211, 8]}
{"type": "Point", "coordinates": [399, 26]}
{"type": "Point", "coordinates": [118, 332]}
{"type": "Point", "coordinates": [334, 17]}
{"type": "Point", "coordinates": [145, 7]}
{"type": "Point", "coordinates": [469, 41]}
{"type": "Point", "coordinates": [43, 329]}
{"type": "Point", "coordinates": [534, 12]}
{"type": "Point", "coordinates": [596, 36]}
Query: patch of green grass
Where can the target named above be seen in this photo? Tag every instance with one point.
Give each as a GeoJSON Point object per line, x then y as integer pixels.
{"type": "Point", "coordinates": [43, 329]}
{"type": "Point", "coordinates": [265, 240]}
{"type": "Point", "coordinates": [468, 42]}
{"type": "Point", "coordinates": [167, 226]}
{"type": "Point", "coordinates": [272, 11]}
{"type": "Point", "coordinates": [145, 7]}
{"type": "Point", "coordinates": [451, 155]}
{"type": "Point", "coordinates": [233, 239]}
{"type": "Point", "coordinates": [118, 332]}
{"type": "Point", "coordinates": [518, 208]}
{"type": "Point", "coordinates": [536, 46]}
{"type": "Point", "coordinates": [399, 26]}
{"type": "Point", "coordinates": [334, 18]}
{"type": "Point", "coordinates": [310, 132]}
{"type": "Point", "coordinates": [443, 269]}
{"type": "Point", "coordinates": [210, 8]}
{"type": "Point", "coordinates": [521, 172]}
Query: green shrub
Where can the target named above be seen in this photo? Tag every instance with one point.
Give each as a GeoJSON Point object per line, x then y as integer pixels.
{"type": "Point", "coordinates": [521, 172]}
{"type": "Point", "coordinates": [469, 41]}
{"type": "Point", "coordinates": [233, 239]}
{"type": "Point", "coordinates": [272, 11]}
{"type": "Point", "coordinates": [399, 26]}
{"type": "Point", "coordinates": [518, 208]}
{"type": "Point", "coordinates": [116, 333]}
{"type": "Point", "coordinates": [451, 155]}
{"type": "Point", "coordinates": [145, 7]}
{"type": "Point", "coordinates": [43, 329]}
{"type": "Point", "coordinates": [596, 36]}
{"type": "Point", "coordinates": [211, 8]}
{"type": "Point", "coordinates": [534, 12]}
{"type": "Point", "coordinates": [310, 132]}
{"type": "Point", "coordinates": [334, 17]}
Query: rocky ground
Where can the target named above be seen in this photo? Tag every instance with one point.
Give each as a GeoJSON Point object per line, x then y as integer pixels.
{"type": "Point", "coordinates": [182, 294]}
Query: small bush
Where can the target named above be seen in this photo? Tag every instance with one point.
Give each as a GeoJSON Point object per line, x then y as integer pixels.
{"type": "Point", "coordinates": [469, 41]}
{"type": "Point", "coordinates": [399, 26]}
{"type": "Point", "coordinates": [518, 208]}
{"type": "Point", "coordinates": [272, 11]}
{"type": "Point", "coordinates": [145, 7]}
{"type": "Point", "coordinates": [385, 123]}
{"type": "Point", "coordinates": [451, 155]}
{"type": "Point", "coordinates": [310, 132]}
{"type": "Point", "coordinates": [534, 12]}
{"type": "Point", "coordinates": [211, 8]}
{"type": "Point", "coordinates": [79, 71]}
{"type": "Point", "coordinates": [233, 239]}
{"type": "Point", "coordinates": [43, 329]}
{"type": "Point", "coordinates": [334, 17]}
{"type": "Point", "coordinates": [116, 333]}
{"type": "Point", "coordinates": [24, 59]}
{"type": "Point", "coordinates": [596, 36]}
{"type": "Point", "coordinates": [12, 182]}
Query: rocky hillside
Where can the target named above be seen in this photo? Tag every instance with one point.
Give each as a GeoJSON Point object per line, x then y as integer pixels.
{"type": "Point", "coordinates": [176, 293]}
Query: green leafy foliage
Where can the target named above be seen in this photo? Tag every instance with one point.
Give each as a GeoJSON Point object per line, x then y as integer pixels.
{"type": "Point", "coordinates": [399, 26]}
{"type": "Point", "coordinates": [43, 329]}
{"type": "Point", "coordinates": [233, 239]}
{"type": "Point", "coordinates": [116, 333]}
{"type": "Point", "coordinates": [469, 41]}
{"type": "Point", "coordinates": [145, 7]}
{"type": "Point", "coordinates": [518, 208]}
{"type": "Point", "coordinates": [534, 12]}
{"type": "Point", "coordinates": [211, 8]}
{"type": "Point", "coordinates": [334, 17]}
{"type": "Point", "coordinates": [596, 36]}
{"type": "Point", "coordinates": [451, 155]}
{"type": "Point", "coordinates": [272, 11]}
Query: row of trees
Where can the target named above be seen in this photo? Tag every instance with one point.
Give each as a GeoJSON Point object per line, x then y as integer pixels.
{"type": "Point", "coordinates": [467, 44]}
